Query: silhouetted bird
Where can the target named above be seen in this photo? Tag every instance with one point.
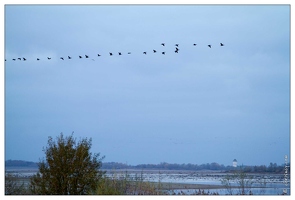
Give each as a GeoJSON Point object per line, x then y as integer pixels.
{"type": "Point", "coordinates": [24, 59]}
{"type": "Point", "coordinates": [129, 52]}
{"type": "Point", "coordinates": [38, 59]}
{"type": "Point", "coordinates": [111, 54]}
{"type": "Point", "coordinates": [120, 53]}
{"type": "Point", "coordinates": [176, 48]}
{"type": "Point", "coordinates": [61, 58]}
{"type": "Point", "coordinates": [163, 44]}
{"type": "Point", "coordinates": [176, 45]}
{"type": "Point", "coordinates": [86, 56]}
{"type": "Point", "coordinates": [154, 51]}
{"type": "Point", "coordinates": [80, 56]}
{"type": "Point", "coordinates": [209, 46]}
{"type": "Point", "coordinates": [5, 59]}
{"type": "Point", "coordinates": [221, 44]}
{"type": "Point", "coordinates": [176, 51]}
{"type": "Point", "coordinates": [69, 57]}
{"type": "Point", "coordinates": [98, 54]}
{"type": "Point", "coordinates": [195, 44]}
{"type": "Point", "coordinates": [163, 52]}
{"type": "Point", "coordinates": [14, 59]}
{"type": "Point", "coordinates": [144, 52]}
{"type": "Point", "coordinates": [19, 58]}
{"type": "Point", "coordinates": [48, 58]}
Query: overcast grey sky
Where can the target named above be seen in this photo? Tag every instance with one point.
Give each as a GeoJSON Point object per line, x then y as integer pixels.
{"type": "Point", "coordinates": [199, 105]}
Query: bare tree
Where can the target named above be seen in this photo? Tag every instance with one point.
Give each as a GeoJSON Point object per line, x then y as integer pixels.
{"type": "Point", "coordinates": [244, 182]}
{"type": "Point", "coordinates": [227, 183]}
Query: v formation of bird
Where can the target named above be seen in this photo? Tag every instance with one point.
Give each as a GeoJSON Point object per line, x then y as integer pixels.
{"type": "Point", "coordinates": [119, 53]}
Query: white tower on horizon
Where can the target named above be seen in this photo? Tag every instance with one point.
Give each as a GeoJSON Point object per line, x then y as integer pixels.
{"type": "Point", "coordinates": [235, 163]}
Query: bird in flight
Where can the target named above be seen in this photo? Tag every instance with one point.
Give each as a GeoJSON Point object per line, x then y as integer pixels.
{"type": "Point", "coordinates": [129, 52]}
{"type": "Point", "coordinates": [163, 52]}
{"type": "Point", "coordinates": [24, 59]}
{"type": "Point", "coordinates": [19, 58]}
{"type": "Point", "coordinates": [80, 56]}
{"type": "Point", "coordinates": [120, 53]}
{"type": "Point", "coordinates": [176, 45]}
{"type": "Point", "coordinates": [144, 52]}
{"type": "Point", "coordinates": [48, 58]}
{"type": "Point", "coordinates": [69, 57]}
{"type": "Point", "coordinates": [195, 44]}
{"type": "Point", "coordinates": [61, 58]}
{"type": "Point", "coordinates": [38, 59]}
{"type": "Point", "coordinates": [98, 55]}
{"type": "Point", "coordinates": [13, 59]}
{"type": "Point", "coordinates": [209, 46]}
{"type": "Point", "coordinates": [221, 44]}
{"type": "Point", "coordinates": [154, 51]}
{"type": "Point", "coordinates": [86, 56]}
{"type": "Point", "coordinates": [163, 44]}
{"type": "Point", "coordinates": [111, 54]}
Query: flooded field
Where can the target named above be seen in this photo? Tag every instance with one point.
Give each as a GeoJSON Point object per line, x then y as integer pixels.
{"type": "Point", "coordinates": [188, 182]}
{"type": "Point", "coordinates": [261, 184]}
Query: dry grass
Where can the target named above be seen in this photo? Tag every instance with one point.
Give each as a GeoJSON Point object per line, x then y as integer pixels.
{"type": "Point", "coordinates": [124, 184]}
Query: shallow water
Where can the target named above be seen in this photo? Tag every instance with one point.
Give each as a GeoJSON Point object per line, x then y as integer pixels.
{"type": "Point", "coordinates": [274, 183]}
{"type": "Point", "coordinates": [267, 184]}
{"type": "Point", "coordinates": [255, 191]}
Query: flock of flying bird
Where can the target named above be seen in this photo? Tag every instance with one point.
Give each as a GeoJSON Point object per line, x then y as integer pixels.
{"type": "Point", "coordinates": [111, 54]}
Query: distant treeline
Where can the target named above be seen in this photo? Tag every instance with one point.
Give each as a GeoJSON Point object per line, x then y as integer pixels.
{"type": "Point", "coordinates": [271, 168]}
{"type": "Point", "coordinates": [20, 163]}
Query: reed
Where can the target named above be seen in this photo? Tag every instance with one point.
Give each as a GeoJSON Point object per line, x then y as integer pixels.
{"type": "Point", "coordinates": [124, 184]}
